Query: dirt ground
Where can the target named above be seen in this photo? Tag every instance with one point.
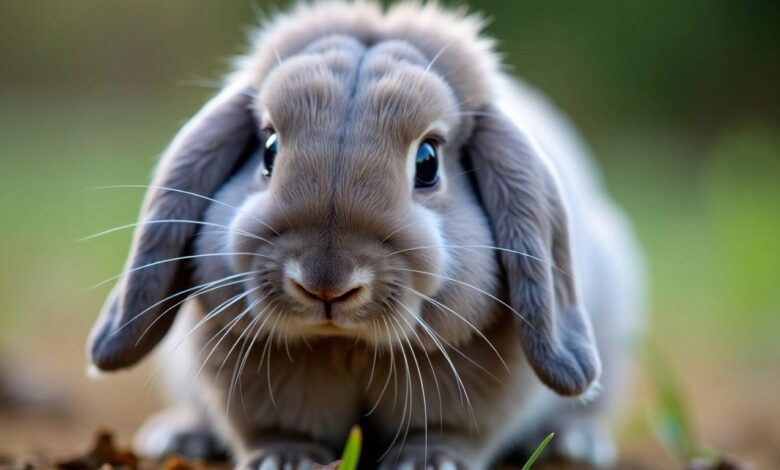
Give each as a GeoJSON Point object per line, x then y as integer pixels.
{"type": "Point", "coordinates": [735, 409]}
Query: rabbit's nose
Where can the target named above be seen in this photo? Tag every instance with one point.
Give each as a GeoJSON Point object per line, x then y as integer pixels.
{"type": "Point", "coordinates": [328, 278]}
{"type": "Point", "coordinates": [328, 295]}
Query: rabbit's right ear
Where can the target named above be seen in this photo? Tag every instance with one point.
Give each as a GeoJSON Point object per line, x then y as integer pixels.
{"type": "Point", "coordinates": [199, 160]}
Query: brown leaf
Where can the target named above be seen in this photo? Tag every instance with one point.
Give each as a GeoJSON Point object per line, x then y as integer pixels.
{"type": "Point", "coordinates": [102, 454]}
{"type": "Point", "coordinates": [177, 462]}
{"type": "Point", "coordinates": [721, 463]}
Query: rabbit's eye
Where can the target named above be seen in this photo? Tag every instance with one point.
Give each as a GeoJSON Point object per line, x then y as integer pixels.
{"type": "Point", "coordinates": [427, 165]}
{"type": "Point", "coordinates": [270, 148]}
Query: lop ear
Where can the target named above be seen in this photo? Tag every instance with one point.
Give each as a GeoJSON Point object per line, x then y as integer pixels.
{"type": "Point", "coordinates": [521, 196]}
{"type": "Point", "coordinates": [200, 158]}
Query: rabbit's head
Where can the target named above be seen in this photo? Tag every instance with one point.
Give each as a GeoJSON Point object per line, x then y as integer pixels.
{"type": "Point", "coordinates": [354, 180]}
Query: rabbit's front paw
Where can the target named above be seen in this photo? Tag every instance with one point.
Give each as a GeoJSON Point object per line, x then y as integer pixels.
{"type": "Point", "coordinates": [284, 456]}
{"type": "Point", "coordinates": [417, 457]}
{"type": "Point", "coordinates": [586, 443]}
{"type": "Point", "coordinates": [173, 432]}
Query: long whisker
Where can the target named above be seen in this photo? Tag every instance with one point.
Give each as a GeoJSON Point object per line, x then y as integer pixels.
{"type": "Point", "coordinates": [238, 340]}
{"type": "Point", "coordinates": [172, 307]}
{"type": "Point", "coordinates": [422, 386]}
{"type": "Point", "coordinates": [176, 221]}
{"type": "Point", "coordinates": [407, 402]}
{"type": "Point", "coordinates": [438, 54]}
{"type": "Point", "coordinates": [390, 371]}
{"type": "Point", "coordinates": [427, 356]}
{"type": "Point", "coordinates": [286, 342]}
{"type": "Point", "coordinates": [170, 260]}
{"type": "Point", "coordinates": [243, 360]}
{"type": "Point", "coordinates": [375, 331]}
{"type": "Point", "coordinates": [456, 374]}
{"type": "Point", "coordinates": [488, 247]}
{"type": "Point", "coordinates": [268, 346]}
{"type": "Point", "coordinates": [393, 364]}
{"type": "Point", "coordinates": [449, 178]}
{"type": "Point", "coordinates": [212, 314]}
{"type": "Point", "coordinates": [242, 355]}
{"type": "Point", "coordinates": [472, 287]}
{"type": "Point", "coordinates": [394, 232]}
{"type": "Point", "coordinates": [216, 335]}
{"type": "Point", "coordinates": [235, 379]}
{"type": "Point", "coordinates": [230, 325]}
{"type": "Point", "coordinates": [442, 307]}
{"type": "Point", "coordinates": [188, 193]}
{"type": "Point", "coordinates": [181, 292]}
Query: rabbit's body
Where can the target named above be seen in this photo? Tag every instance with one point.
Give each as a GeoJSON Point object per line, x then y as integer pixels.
{"type": "Point", "coordinates": [438, 308]}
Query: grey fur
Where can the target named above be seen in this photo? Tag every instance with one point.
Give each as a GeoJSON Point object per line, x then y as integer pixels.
{"type": "Point", "coordinates": [198, 160]}
{"type": "Point", "coordinates": [455, 347]}
{"type": "Point", "coordinates": [528, 215]}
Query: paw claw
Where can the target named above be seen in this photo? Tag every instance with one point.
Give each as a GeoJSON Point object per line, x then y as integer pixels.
{"type": "Point", "coordinates": [168, 433]}
{"type": "Point", "coordinates": [305, 464]}
{"type": "Point", "coordinates": [406, 465]}
{"type": "Point", "coordinates": [587, 445]}
{"type": "Point", "coordinates": [270, 463]}
{"type": "Point", "coordinates": [285, 456]}
{"type": "Point", "coordinates": [448, 465]}
{"type": "Point", "coordinates": [422, 458]}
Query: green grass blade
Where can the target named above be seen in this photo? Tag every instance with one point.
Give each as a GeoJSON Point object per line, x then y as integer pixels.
{"type": "Point", "coordinates": [351, 456]}
{"type": "Point", "coordinates": [538, 452]}
{"type": "Point", "coordinates": [672, 425]}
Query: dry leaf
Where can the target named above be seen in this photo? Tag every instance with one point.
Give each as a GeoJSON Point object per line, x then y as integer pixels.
{"type": "Point", "coordinates": [103, 453]}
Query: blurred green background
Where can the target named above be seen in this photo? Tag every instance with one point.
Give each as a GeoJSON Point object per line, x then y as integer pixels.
{"type": "Point", "coordinates": [679, 101]}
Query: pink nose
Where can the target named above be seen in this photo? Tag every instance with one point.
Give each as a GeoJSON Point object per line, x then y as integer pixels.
{"type": "Point", "coordinates": [327, 295]}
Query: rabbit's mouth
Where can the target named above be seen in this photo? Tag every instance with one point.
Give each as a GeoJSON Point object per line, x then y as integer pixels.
{"type": "Point", "coordinates": [331, 329]}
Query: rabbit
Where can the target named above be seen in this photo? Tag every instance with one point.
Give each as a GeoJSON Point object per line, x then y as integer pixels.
{"type": "Point", "coordinates": [372, 224]}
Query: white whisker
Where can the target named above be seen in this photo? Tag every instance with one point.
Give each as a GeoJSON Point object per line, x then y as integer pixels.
{"type": "Point", "coordinates": [487, 247]}
{"type": "Point", "coordinates": [170, 260]}
{"type": "Point", "coordinates": [461, 385]}
{"type": "Point", "coordinates": [422, 386]}
{"type": "Point", "coordinates": [375, 332]}
{"type": "Point", "coordinates": [408, 405]}
{"type": "Point", "coordinates": [442, 307]}
{"type": "Point", "coordinates": [176, 294]}
{"type": "Point", "coordinates": [212, 314]}
{"type": "Point", "coordinates": [229, 326]}
{"type": "Point", "coordinates": [175, 221]}
{"type": "Point", "coordinates": [235, 343]}
{"type": "Point", "coordinates": [390, 370]}
{"type": "Point", "coordinates": [188, 193]}
{"type": "Point", "coordinates": [201, 292]}
{"type": "Point", "coordinates": [248, 352]}
{"type": "Point", "coordinates": [472, 287]}
{"type": "Point", "coordinates": [427, 356]}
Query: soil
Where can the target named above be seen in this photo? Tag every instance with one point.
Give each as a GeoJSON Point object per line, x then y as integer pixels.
{"type": "Point", "coordinates": [735, 409]}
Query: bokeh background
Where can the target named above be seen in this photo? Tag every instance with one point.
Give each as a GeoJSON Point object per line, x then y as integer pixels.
{"type": "Point", "coordinates": [679, 101]}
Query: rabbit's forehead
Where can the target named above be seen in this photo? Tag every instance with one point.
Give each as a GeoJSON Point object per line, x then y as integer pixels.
{"type": "Point", "coordinates": [341, 88]}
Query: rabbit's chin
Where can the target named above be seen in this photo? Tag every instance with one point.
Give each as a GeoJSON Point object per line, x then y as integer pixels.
{"type": "Point", "coordinates": [330, 329]}
{"type": "Point", "coordinates": [296, 331]}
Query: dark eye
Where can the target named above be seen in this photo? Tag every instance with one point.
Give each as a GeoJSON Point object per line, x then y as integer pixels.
{"type": "Point", "coordinates": [270, 148]}
{"type": "Point", "coordinates": [427, 165]}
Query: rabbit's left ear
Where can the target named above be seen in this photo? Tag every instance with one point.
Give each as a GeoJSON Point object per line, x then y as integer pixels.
{"type": "Point", "coordinates": [142, 306]}
{"type": "Point", "coordinates": [520, 194]}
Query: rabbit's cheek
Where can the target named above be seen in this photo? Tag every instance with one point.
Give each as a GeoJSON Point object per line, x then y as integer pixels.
{"type": "Point", "coordinates": [248, 230]}
{"type": "Point", "coordinates": [428, 261]}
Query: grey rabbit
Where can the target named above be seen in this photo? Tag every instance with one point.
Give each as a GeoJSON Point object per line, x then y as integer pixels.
{"type": "Point", "coordinates": [371, 223]}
